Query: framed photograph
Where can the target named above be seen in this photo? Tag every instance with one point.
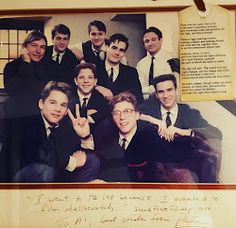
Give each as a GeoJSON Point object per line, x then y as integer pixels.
{"type": "Point", "coordinates": [189, 193]}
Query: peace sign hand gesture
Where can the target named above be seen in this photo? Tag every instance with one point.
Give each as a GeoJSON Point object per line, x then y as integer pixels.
{"type": "Point", "coordinates": [80, 124]}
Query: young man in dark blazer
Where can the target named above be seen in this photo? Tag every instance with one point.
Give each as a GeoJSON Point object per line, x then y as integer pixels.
{"type": "Point", "coordinates": [46, 147]}
{"type": "Point", "coordinates": [59, 53]}
{"type": "Point", "coordinates": [129, 149]}
{"type": "Point", "coordinates": [92, 104]}
{"type": "Point", "coordinates": [183, 120]}
{"type": "Point", "coordinates": [115, 77]}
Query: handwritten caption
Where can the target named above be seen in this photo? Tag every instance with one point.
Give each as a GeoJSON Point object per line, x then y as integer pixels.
{"type": "Point", "coordinates": [123, 209]}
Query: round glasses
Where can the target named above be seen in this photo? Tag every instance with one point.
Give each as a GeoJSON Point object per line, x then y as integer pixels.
{"type": "Point", "coordinates": [126, 112]}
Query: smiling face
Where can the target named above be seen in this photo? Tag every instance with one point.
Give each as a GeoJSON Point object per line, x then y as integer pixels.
{"type": "Point", "coordinates": [125, 117]}
{"type": "Point", "coordinates": [152, 43]}
{"type": "Point", "coordinates": [54, 107]}
{"type": "Point", "coordinates": [97, 37]}
{"type": "Point", "coordinates": [85, 81]}
{"type": "Point", "coordinates": [36, 49]}
{"type": "Point", "coordinates": [61, 42]}
{"type": "Point", "coordinates": [115, 52]}
{"type": "Point", "coordinates": [167, 94]}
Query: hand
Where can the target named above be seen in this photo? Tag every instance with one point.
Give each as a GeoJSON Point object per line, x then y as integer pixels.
{"type": "Point", "coordinates": [172, 130]}
{"type": "Point", "coordinates": [80, 124]}
{"type": "Point", "coordinates": [105, 92]}
{"type": "Point", "coordinates": [160, 123]}
{"type": "Point", "coordinates": [24, 54]}
{"type": "Point", "coordinates": [78, 53]}
{"type": "Point", "coordinates": [80, 158]}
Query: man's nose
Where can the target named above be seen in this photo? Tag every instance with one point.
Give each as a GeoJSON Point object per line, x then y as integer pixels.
{"type": "Point", "coordinates": [58, 108]}
{"type": "Point", "coordinates": [39, 49]}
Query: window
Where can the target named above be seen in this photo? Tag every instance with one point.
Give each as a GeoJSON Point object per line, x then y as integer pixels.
{"type": "Point", "coordinates": [12, 34]}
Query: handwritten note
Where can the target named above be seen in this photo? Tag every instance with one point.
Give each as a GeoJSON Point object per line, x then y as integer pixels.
{"type": "Point", "coordinates": [207, 53]}
{"type": "Point", "coordinates": [116, 208]}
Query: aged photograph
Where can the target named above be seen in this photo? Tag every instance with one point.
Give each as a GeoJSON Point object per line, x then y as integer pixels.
{"type": "Point", "coordinates": [95, 97]}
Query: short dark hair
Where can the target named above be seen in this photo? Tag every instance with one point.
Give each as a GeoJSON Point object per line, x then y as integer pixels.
{"type": "Point", "coordinates": [34, 36]}
{"type": "Point", "coordinates": [98, 24]}
{"type": "Point", "coordinates": [163, 78]}
{"type": "Point", "coordinates": [155, 30]}
{"type": "Point", "coordinates": [56, 86]}
{"type": "Point", "coordinates": [81, 66]}
{"type": "Point", "coordinates": [119, 37]}
{"type": "Point", "coordinates": [124, 96]}
{"type": "Point", "coordinates": [60, 28]}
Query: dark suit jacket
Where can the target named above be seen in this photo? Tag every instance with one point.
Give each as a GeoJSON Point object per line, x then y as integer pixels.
{"type": "Point", "coordinates": [127, 80]}
{"type": "Point", "coordinates": [67, 65]}
{"type": "Point", "coordinates": [97, 102]}
{"type": "Point", "coordinates": [89, 56]}
{"type": "Point", "coordinates": [24, 82]}
{"type": "Point", "coordinates": [27, 143]}
{"type": "Point", "coordinates": [137, 162]}
{"type": "Point", "coordinates": [205, 147]}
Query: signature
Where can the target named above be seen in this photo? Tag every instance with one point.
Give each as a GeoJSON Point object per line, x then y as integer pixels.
{"type": "Point", "coordinates": [189, 221]}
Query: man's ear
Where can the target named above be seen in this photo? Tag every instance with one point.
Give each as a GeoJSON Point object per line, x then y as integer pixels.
{"type": "Point", "coordinates": [161, 40]}
{"type": "Point", "coordinates": [40, 104]}
{"type": "Point", "coordinates": [95, 81]}
{"type": "Point", "coordinates": [137, 115]}
{"type": "Point", "coordinates": [75, 80]}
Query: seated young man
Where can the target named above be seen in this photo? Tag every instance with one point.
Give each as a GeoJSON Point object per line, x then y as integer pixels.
{"type": "Point", "coordinates": [131, 150]}
{"type": "Point", "coordinates": [91, 103]}
{"type": "Point", "coordinates": [46, 148]}
{"type": "Point", "coordinates": [178, 119]}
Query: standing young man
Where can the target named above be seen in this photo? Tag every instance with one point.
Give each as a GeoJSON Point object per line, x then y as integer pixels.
{"type": "Point", "coordinates": [115, 77]}
{"type": "Point", "coordinates": [157, 61]}
{"type": "Point", "coordinates": [46, 148]}
{"type": "Point", "coordinates": [93, 50]}
{"type": "Point", "coordinates": [60, 54]}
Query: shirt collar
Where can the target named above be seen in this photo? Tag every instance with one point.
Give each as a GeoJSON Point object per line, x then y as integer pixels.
{"type": "Point", "coordinates": [103, 48]}
{"type": "Point", "coordinates": [128, 137]}
{"type": "Point", "coordinates": [81, 96]}
{"type": "Point", "coordinates": [157, 55]}
{"type": "Point", "coordinates": [54, 53]}
{"type": "Point", "coordinates": [173, 110]}
{"type": "Point", "coordinates": [47, 125]}
{"type": "Point", "coordinates": [108, 66]}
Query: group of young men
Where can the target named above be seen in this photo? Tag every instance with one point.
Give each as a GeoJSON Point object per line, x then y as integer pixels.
{"type": "Point", "coordinates": [79, 114]}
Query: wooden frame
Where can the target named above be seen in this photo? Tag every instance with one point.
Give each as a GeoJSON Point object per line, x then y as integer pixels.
{"type": "Point", "coordinates": [146, 187]}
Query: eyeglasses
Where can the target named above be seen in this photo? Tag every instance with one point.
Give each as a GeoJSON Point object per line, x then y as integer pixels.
{"type": "Point", "coordinates": [126, 112]}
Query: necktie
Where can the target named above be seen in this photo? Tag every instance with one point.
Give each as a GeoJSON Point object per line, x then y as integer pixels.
{"type": "Point", "coordinates": [83, 111]}
{"type": "Point", "coordinates": [168, 120]}
{"type": "Point", "coordinates": [111, 75]}
{"type": "Point", "coordinates": [84, 103]}
{"type": "Point", "coordinates": [123, 143]}
{"type": "Point", "coordinates": [151, 71]}
{"type": "Point", "coordinates": [58, 58]}
{"type": "Point", "coordinates": [100, 54]}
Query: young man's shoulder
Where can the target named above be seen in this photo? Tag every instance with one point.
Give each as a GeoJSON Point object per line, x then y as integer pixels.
{"type": "Point", "coordinates": [126, 68]}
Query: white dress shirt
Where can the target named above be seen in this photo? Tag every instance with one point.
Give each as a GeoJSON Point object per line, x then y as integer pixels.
{"type": "Point", "coordinates": [173, 113]}
{"type": "Point", "coordinates": [128, 137]}
{"type": "Point", "coordinates": [54, 55]}
{"type": "Point", "coordinates": [115, 70]}
{"type": "Point", "coordinates": [161, 66]}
